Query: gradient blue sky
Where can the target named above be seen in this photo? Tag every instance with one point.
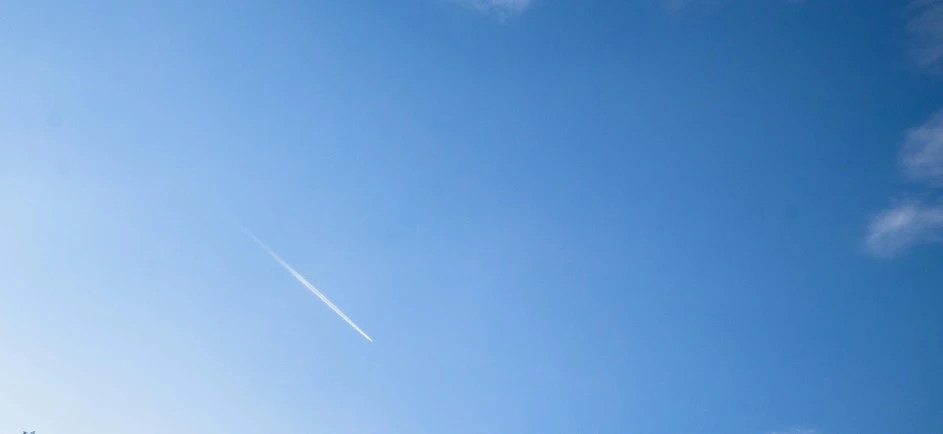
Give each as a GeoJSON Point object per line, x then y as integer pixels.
{"type": "Point", "coordinates": [552, 216]}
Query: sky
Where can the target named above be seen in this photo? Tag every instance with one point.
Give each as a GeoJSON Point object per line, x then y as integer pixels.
{"type": "Point", "coordinates": [550, 216]}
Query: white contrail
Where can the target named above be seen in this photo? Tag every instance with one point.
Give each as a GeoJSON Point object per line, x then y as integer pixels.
{"type": "Point", "coordinates": [304, 282]}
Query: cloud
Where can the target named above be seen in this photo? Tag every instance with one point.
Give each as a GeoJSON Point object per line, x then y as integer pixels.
{"type": "Point", "coordinates": [905, 225]}
{"type": "Point", "coordinates": [926, 28]}
{"type": "Point", "coordinates": [922, 152]}
{"type": "Point", "coordinates": [673, 6]}
{"type": "Point", "coordinates": [912, 222]}
{"type": "Point", "coordinates": [501, 8]}
{"type": "Point", "coordinates": [304, 282]}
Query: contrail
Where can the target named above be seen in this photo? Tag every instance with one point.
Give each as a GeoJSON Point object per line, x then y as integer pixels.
{"type": "Point", "coordinates": [304, 282]}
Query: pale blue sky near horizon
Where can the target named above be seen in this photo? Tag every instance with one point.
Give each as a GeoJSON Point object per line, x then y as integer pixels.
{"type": "Point", "coordinates": [551, 216]}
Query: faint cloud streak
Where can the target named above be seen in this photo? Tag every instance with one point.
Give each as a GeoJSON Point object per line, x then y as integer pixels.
{"type": "Point", "coordinates": [905, 225]}
{"type": "Point", "coordinates": [926, 28]}
{"type": "Point", "coordinates": [304, 282]}
{"type": "Point", "coordinates": [502, 8]}
{"type": "Point", "coordinates": [913, 222]}
{"type": "Point", "coordinates": [922, 153]}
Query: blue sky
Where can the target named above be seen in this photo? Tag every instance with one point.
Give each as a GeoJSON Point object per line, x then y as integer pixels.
{"type": "Point", "coordinates": [551, 216]}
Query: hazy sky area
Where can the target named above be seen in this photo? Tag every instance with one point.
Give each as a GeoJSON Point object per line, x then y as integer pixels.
{"type": "Point", "coordinates": [550, 216]}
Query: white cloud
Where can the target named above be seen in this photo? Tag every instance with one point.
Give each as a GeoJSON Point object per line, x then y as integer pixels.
{"type": "Point", "coordinates": [673, 6]}
{"type": "Point", "coordinates": [910, 223]}
{"type": "Point", "coordinates": [304, 282]}
{"type": "Point", "coordinates": [904, 225]}
{"type": "Point", "coordinates": [499, 7]}
{"type": "Point", "coordinates": [922, 154]}
{"type": "Point", "coordinates": [926, 28]}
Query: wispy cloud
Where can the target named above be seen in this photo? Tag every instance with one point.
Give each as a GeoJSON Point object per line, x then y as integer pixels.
{"type": "Point", "coordinates": [501, 8]}
{"type": "Point", "coordinates": [913, 222]}
{"type": "Point", "coordinates": [926, 28]}
{"type": "Point", "coordinates": [304, 282]}
{"type": "Point", "coordinates": [904, 225]}
{"type": "Point", "coordinates": [922, 153]}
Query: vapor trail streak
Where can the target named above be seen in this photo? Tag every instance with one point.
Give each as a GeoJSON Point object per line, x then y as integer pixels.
{"type": "Point", "coordinates": [304, 282]}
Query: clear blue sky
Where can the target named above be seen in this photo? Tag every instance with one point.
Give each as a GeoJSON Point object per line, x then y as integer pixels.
{"type": "Point", "coordinates": [552, 216]}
